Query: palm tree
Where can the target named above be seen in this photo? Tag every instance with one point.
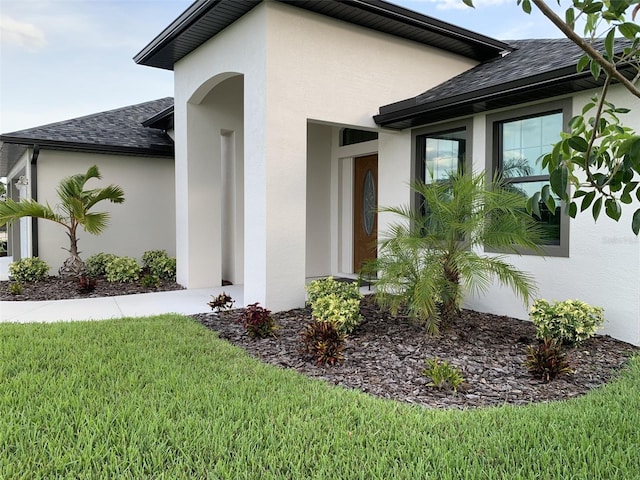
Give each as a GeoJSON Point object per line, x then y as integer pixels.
{"type": "Point", "coordinates": [432, 255]}
{"type": "Point", "coordinates": [72, 211]}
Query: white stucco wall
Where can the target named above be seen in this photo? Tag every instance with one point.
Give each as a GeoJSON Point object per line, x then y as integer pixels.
{"type": "Point", "coordinates": [297, 66]}
{"type": "Point", "coordinates": [603, 267]}
{"type": "Point", "coordinates": [145, 221]}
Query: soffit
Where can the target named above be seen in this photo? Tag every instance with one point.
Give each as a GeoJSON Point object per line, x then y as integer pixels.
{"type": "Point", "coordinates": [206, 18]}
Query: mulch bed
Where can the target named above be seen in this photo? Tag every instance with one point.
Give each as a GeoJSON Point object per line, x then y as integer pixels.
{"type": "Point", "coordinates": [385, 357]}
{"type": "Point", "coordinates": [56, 288]}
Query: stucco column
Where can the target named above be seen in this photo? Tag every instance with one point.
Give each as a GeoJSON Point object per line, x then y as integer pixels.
{"type": "Point", "coordinates": [198, 206]}
{"type": "Point", "coordinates": [275, 203]}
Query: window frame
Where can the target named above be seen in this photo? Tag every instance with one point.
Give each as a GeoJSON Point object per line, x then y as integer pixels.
{"type": "Point", "coordinates": [494, 161]}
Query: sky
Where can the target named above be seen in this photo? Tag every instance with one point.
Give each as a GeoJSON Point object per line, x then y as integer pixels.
{"type": "Point", "coordinates": [62, 59]}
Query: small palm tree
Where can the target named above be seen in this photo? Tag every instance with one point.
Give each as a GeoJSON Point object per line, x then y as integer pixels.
{"type": "Point", "coordinates": [431, 256]}
{"type": "Point", "coordinates": [72, 211]}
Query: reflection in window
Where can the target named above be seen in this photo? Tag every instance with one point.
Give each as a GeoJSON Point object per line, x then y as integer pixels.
{"type": "Point", "coordinates": [521, 144]}
{"type": "Point", "coordinates": [441, 154]}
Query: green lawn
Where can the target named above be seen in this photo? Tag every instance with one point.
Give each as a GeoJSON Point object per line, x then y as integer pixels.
{"type": "Point", "coordinates": [163, 397]}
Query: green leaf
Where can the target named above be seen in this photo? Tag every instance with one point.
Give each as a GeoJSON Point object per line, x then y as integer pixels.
{"type": "Point", "coordinates": [635, 222]}
{"type": "Point", "coordinates": [551, 204]}
{"type": "Point", "coordinates": [608, 43]}
{"type": "Point", "coordinates": [629, 30]}
{"type": "Point", "coordinates": [573, 210]}
{"type": "Point", "coordinates": [595, 69]}
{"type": "Point", "coordinates": [594, 7]}
{"type": "Point", "coordinates": [613, 209]}
{"type": "Point", "coordinates": [533, 204]}
{"type": "Point", "coordinates": [578, 143]}
{"type": "Point", "coordinates": [526, 6]}
{"type": "Point", "coordinates": [579, 193]}
{"type": "Point", "coordinates": [596, 208]}
{"type": "Point", "coordinates": [544, 194]}
{"type": "Point", "coordinates": [587, 200]}
{"type": "Point", "coordinates": [468, 3]}
{"type": "Point", "coordinates": [582, 64]}
{"type": "Point", "coordinates": [559, 180]}
{"type": "Point", "coordinates": [570, 17]}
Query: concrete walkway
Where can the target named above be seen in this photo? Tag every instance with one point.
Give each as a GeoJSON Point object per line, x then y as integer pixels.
{"type": "Point", "coordinates": [186, 302]}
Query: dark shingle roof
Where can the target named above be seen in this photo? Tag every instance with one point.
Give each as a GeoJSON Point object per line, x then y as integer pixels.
{"type": "Point", "coordinates": [119, 131]}
{"type": "Point", "coordinates": [537, 69]}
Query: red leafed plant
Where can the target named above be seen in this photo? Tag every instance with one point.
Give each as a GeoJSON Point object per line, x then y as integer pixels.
{"type": "Point", "coordinates": [547, 360]}
{"type": "Point", "coordinates": [324, 342]}
{"type": "Point", "coordinates": [258, 321]}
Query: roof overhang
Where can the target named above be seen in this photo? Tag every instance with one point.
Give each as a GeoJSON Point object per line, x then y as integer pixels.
{"type": "Point", "coordinates": [14, 143]}
{"type": "Point", "coordinates": [410, 113]}
{"type": "Point", "coordinates": [162, 120]}
{"type": "Point", "coordinates": [206, 18]}
{"type": "Point", "coordinates": [9, 155]}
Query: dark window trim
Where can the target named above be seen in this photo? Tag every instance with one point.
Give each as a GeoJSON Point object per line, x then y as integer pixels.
{"type": "Point", "coordinates": [417, 146]}
{"type": "Point", "coordinates": [493, 161]}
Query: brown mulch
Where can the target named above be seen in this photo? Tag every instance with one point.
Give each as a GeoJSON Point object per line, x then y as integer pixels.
{"type": "Point", "coordinates": [56, 288]}
{"type": "Point", "coordinates": [385, 357]}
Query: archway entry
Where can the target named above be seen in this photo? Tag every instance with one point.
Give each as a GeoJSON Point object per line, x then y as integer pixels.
{"type": "Point", "coordinates": [365, 210]}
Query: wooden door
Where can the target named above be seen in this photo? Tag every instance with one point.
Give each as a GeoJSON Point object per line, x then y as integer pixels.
{"type": "Point", "coordinates": [365, 210]}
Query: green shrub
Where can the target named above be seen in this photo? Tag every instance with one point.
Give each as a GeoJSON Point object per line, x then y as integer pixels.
{"type": "Point", "coordinates": [335, 302]}
{"type": "Point", "coordinates": [443, 375]}
{"type": "Point", "coordinates": [123, 269]}
{"type": "Point", "coordinates": [343, 313]}
{"type": "Point", "coordinates": [15, 288]}
{"type": "Point", "coordinates": [96, 265]}
{"type": "Point", "coordinates": [257, 321]}
{"type": "Point", "coordinates": [330, 286]}
{"type": "Point", "coordinates": [150, 281]}
{"type": "Point", "coordinates": [324, 342]}
{"type": "Point", "coordinates": [571, 321]}
{"type": "Point", "coordinates": [159, 264]}
{"type": "Point", "coordinates": [28, 270]}
{"type": "Point", "coordinates": [547, 360]}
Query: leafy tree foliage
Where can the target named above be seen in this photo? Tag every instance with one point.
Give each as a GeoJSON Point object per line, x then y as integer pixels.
{"type": "Point", "coordinates": [73, 211]}
{"type": "Point", "coordinates": [596, 164]}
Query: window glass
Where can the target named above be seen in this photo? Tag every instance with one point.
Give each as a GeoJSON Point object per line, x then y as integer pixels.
{"type": "Point", "coordinates": [524, 141]}
{"type": "Point", "coordinates": [442, 154]}
{"type": "Point", "coordinates": [520, 144]}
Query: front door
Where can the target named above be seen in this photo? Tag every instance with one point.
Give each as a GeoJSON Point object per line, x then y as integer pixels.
{"type": "Point", "coordinates": [365, 215]}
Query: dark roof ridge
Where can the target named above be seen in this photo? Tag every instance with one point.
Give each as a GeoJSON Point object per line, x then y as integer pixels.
{"type": "Point", "coordinates": [536, 69]}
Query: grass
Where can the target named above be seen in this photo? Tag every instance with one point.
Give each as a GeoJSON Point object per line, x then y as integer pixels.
{"type": "Point", "coordinates": [163, 397]}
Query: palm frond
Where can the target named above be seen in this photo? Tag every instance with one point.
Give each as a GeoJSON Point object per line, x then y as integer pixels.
{"type": "Point", "coordinates": [113, 193]}
{"type": "Point", "coordinates": [95, 223]}
{"type": "Point", "coordinates": [10, 210]}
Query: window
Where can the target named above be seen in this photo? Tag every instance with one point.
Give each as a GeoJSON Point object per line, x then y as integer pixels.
{"type": "Point", "coordinates": [517, 141]}
{"type": "Point", "coordinates": [441, 152]}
